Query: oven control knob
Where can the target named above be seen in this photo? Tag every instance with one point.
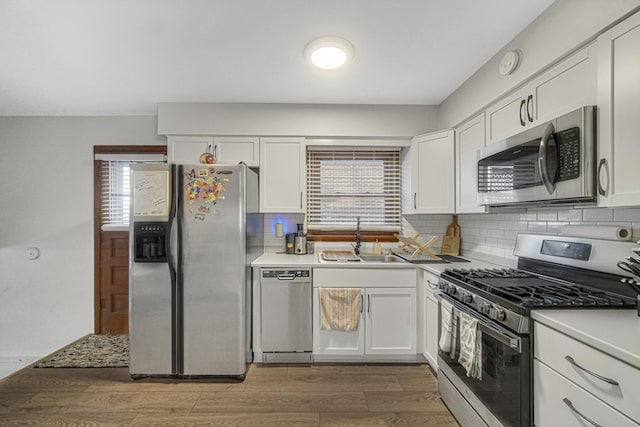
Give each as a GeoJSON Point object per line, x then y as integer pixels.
{"type": "Point", "coordinates": [451, 290]}
{"type": "Point", "coordinates": [497, 314]}
{"type": "Point", "coordinates": [484, 308]}
{"type": "Point", "coordinates": [467, 298]}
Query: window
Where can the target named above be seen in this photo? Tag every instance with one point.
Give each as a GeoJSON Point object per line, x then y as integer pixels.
{"type": "Point", "coordinates": [345, 184]}
{"type": "Point", "coordinates": [116, 197]}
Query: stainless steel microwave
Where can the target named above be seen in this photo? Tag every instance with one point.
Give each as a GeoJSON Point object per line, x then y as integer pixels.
{"type": "Point", "coordinates": [551, 164]}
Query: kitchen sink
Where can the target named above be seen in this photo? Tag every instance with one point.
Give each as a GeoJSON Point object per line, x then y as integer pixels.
{"type": "Point", "coordinates": [379, 258]}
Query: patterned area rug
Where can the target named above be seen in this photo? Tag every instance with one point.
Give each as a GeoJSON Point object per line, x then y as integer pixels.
{"type": "Point", "coordinates": [91, 351]}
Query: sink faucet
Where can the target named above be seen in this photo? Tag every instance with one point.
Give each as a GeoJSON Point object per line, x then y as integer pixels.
{"type": "Point", "coordinates": [358, 244]}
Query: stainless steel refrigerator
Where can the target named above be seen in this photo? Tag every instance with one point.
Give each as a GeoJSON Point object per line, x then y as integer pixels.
{"type": "Point", "coordinates": [194, 231]}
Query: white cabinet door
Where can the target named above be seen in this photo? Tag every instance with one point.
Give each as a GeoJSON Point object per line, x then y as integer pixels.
{"type": "Point", "coordinates": [336, 343]}
{"type": "Point", "coordinates": [391, 321]}
{"type": "Point", "coordinates": [431, 323]}
{"type": "Point", "coordinates": [235, 149]}
{"type": "Point", "coordinates": [507, 117]}
{"type": "Point", "coordinates": [282, 175]}
{"type": "Point", "coordinates": [433, 173]}
{"type": "Point", "coordinates": [469, 138]}
{"type": "Point", "coordinates": [564, 87]}
{"type": "Point", "coordinates": [187, 149]}
{"type": "Point", "coordinates": [619, 127]}
{"type": "Point", "coordinates": [559, 402]}
{"type": "Point", "coordinates": [569, 85]}
{"type": "Point", "coordinates": [432, 332]}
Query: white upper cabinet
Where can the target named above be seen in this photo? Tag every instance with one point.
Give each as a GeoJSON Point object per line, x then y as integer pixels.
{"type": "Point", "coordinates": [236, 149]}
{"type": "Point", "coordinates": [187, 149]}
{"type": "Point", "coordinates": [432, 173]}
{"type": "Point", "coordinates": [282, 174]}
{"type": "Point", "coordinates": [225, 149]}
{"type": "Point", "coordinates": [563, 88]}
{"type": "Point", "coordinates": [619, 115]}
{"type": "Point", "coordinates": [470, 137]}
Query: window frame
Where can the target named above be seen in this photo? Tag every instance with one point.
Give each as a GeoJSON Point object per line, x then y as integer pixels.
{"type": "Point", "coordinates": [392, 178]}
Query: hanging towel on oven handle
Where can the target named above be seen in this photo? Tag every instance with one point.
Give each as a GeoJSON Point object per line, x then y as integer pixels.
{"type": "Point", "coordinates": [470, 346]}
{"type": "Point", "coordinates": [448, 328]}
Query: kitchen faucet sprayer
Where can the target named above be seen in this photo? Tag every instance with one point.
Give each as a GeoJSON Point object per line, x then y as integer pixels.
{"type": "Point", "coordinates": [356, 247]}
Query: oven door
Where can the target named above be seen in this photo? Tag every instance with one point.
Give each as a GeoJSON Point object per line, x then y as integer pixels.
{"type": "Point", "coordinates": [501, 396]}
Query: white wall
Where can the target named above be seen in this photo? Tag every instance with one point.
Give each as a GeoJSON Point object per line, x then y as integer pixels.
{"type": "Point", "coordinates": [563, 27]}
{"type": "Point", "coordinates": [313, 120]}
{"type": "Point", "coordinates": [46, 201]}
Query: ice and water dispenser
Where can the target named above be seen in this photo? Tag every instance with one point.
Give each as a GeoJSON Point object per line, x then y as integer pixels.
{"type": "Point", "coordinates": [150, 241]}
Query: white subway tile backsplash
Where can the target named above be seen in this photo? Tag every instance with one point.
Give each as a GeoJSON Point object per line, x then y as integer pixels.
{"type": "Point", "coordinates": [627, 214]}
{"type": "Point", "coordinates": [537, 227]}
{"type": "Point", "coordinates": [492, 233]}
{"type": "Point", "coordinates": [547, 216]}
{"type": "Point", "coordinates": [597, 214]}
{"type": "Point", "coordinates": [570, 215]}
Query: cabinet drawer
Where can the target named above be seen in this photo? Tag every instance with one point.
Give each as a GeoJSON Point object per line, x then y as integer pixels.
{"type": "Point", "coordinates": [551, 348]}
{"type": "Point", "coordinates": [364, 277]}
{"type": "Point", "coordinates": [553, 394]}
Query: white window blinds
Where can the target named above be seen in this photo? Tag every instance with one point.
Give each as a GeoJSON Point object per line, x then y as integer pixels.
{"type": "Point", "coordinates": [115, 198]}
{"type": "Point", "coordinates": [345, 184]}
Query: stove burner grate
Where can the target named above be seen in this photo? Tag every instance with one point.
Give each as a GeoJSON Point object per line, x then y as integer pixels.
{"type": "Point", "coordinates": [523, 289]}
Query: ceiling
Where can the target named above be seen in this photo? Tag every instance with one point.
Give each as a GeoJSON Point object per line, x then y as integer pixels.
{"type": "Point", "coordinates": [122, 57]}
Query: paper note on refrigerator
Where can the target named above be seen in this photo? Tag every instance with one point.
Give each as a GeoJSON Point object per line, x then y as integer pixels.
{"type": "Point", "coordinates": [150, 193]}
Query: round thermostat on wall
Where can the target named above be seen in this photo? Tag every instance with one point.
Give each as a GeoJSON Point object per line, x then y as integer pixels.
{"type": "Point", "coordinates": [509, 62]}
{"type": "Point", "coordinates": [33, 253]}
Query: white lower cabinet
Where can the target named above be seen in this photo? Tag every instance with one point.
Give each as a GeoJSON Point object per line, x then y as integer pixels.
{"type": "Point", "coordinates": [575, 384]}
{"type": "Point", "coordinates": [390, 326]}
{"type": "Point", "coordinates": [430, 325]}
{"type": "Point", "coordinates": [388, 318]}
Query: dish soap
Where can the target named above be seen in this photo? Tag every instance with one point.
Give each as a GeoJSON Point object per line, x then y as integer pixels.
{"type": "Point", "coordinates": [377, 248]}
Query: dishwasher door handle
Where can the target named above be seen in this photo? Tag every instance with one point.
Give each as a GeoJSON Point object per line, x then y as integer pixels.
{"type": "Point", "coordinates": [286, 276]}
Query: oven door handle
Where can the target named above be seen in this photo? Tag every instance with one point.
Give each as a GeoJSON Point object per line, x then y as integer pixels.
{"type": "Point", "coordinates": [547, 141]}
{"type": "Point", "coordinates": [502, 335]}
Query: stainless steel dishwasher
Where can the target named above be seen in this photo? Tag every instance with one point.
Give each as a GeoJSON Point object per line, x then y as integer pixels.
{"type": "Point", "coordinates": [285, 315]}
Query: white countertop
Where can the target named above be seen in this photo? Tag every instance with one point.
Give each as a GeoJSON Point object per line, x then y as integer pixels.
{"type": "Point", "coordinates": [616, 332]}
{"type": "Point", "coordinates": [313, 261]}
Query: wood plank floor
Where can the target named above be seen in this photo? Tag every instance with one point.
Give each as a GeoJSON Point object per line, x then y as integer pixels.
{"type": "Point", "coordinates": [318, 395]}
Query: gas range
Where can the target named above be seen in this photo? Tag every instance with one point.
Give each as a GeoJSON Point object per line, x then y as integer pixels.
{"type": "Point", "coordinates": [485, 355]}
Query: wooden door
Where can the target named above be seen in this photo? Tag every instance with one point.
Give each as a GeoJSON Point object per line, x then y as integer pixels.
{"type": "Point", "coordinates": [114, 282]}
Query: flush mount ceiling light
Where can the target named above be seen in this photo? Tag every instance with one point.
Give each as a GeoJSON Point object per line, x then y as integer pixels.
{"type": "Point", "coordinates": [329, 53]}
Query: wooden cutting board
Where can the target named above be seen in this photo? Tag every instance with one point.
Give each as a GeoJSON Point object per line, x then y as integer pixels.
{"type": "Point", "coordinates": [451, 240]}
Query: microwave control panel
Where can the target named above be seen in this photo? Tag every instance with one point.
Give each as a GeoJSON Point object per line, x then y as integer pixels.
{"type": "Point", "coordinates": [568, 142]}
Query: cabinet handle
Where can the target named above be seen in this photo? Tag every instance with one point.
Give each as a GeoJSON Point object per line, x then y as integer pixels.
{"type": "Point", "coordinates": [522, 122]}
{"type": "Point", "coordinates": [361, 303]}
{"type": "Point", "coordinates": [530, 102]}
{"type": "Point", "coordinates": [415, 196]}
{"type": "Point", "coordinates": [301, 200]}
{"type": "Point", "coordinates": [368, 303]}
{"type": "Point", "coordinates": [600, 377]}
{"type": "Point", "coordinates": [209, 149]}
{"type": "Point", "coordinates": [581, 415]}
{"type": "Point", "coordinates": [432, 285]}
{"type": "Point", "coordinates": [601, 190]}
{"type": "Point", "coordinates": [215, 152]}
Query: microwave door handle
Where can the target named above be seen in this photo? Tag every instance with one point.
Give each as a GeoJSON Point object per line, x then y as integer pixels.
{"type": "Point", "coordinates": [546, 142]}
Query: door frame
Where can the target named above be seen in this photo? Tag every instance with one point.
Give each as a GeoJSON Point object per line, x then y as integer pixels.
{"type": "Point", "coordinates": [97, 215]}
